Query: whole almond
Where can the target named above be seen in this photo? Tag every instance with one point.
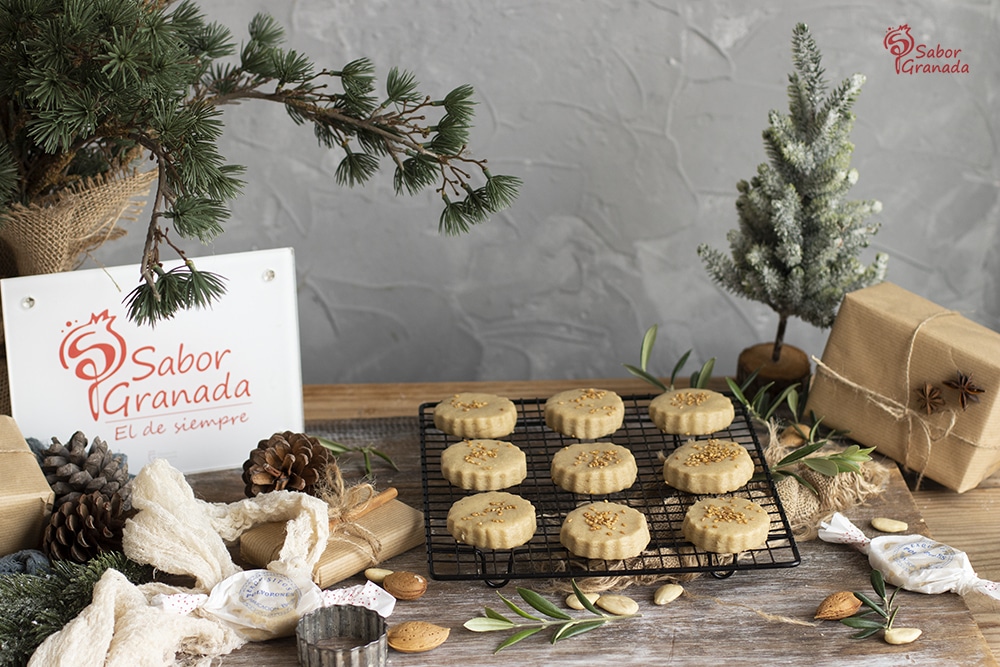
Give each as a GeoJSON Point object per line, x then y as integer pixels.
{"type": "Point", "coordinates": [619, 605]}
{"type": "Point", "coordinates": [416, 636]}
{"type": "Point", "coordinates": [573, 602]}
{"type": "Point", "coordinates": [405, 585]}
{"type": "Point", "coordinates": [902, 635]}
{"type": "Point", "coordinates": [837, 606]}
{"type": "Point", "coordinates": [667, 593]}
{"type": "Point", "coordinates": [885, 525]}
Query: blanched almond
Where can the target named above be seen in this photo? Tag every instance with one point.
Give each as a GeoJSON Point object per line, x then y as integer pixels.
{"type": "Point", "coordinates": [667, 593]}
{"type": "Point", "coordinates": [619, 605]}
{"type": "Point", "coordinates": [902, 635]}
{"type": "Point", "coordinates": [377, 575]}
{"type": "Point", "coordinates": [889, 525]}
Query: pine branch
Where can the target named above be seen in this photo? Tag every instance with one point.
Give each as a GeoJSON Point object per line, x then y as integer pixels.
{"type": "Point", "coordinates": [32, 607]}
{"type": "Point", "coordinates": [83, 84]}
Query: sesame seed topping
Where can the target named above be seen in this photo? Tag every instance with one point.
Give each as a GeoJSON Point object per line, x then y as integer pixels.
{"type": "Point", "coordinates": [683, 399]}
{"type": "Point", "coordinates": [479, 453]}
{"type": "Point", "coordinates": [597, 458]}
{"type": "Point", "coordinates": [464, 406]}
{"type": "Point", "coordinates": [712, 451]}
{"type": "Point", "coordinates": [597, 520]}
{"type": "Point", "coordinates": [724, 514]}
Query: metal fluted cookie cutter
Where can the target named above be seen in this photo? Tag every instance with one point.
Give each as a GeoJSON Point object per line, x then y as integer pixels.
{"type": "Point", "coordinates": [342, 636]}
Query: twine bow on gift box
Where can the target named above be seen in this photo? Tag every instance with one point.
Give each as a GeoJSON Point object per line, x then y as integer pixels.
{"type": "Point", "coordinates": [347, 504]}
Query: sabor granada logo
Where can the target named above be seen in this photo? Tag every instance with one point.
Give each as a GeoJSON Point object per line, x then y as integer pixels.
{"type": "Point", "coordinates": [125, 386]}
{"type": "Point", "coordinates": [913, 58]}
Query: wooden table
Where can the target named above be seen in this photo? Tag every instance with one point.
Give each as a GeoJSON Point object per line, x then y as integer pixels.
{"type": "Point", "coordinates": [740, 620]}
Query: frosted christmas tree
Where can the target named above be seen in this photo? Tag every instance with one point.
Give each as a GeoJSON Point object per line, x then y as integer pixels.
{"type": "Point", "coordinates": [797, 245]}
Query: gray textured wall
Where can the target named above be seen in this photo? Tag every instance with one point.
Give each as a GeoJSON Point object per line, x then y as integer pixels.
{"type": "Point", "coordinates": [630, 123]}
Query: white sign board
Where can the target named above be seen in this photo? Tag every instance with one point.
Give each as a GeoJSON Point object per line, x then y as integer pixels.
{"type": "Point", "coordinates": [200, 390]}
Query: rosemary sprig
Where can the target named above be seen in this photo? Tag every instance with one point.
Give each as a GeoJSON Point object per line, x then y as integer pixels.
{"type": "Point", "coordinates": [367, 452]}
{"type": "Point", "coordinates": [883, 608]}
{"type": "Point", "coordinates": [566, 626]}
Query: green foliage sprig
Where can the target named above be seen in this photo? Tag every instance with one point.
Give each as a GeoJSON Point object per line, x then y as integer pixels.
{"type": "Point", "coordinates": [566, 626]}
{"type": "Point", "coordinates": [830, 465]}
{"type": "Point", "coordinates": [874, 615]}
{"type": "Point", "coordinates": [699, 378]}
{"type": "Point", "coordinates": [88, 87]}
{"type": "Point", "coordinates": [32, 607]}
{"type": "Point", "coordinates": [367, 452]}
{"type": "Point", "coordinates": [762, 406]}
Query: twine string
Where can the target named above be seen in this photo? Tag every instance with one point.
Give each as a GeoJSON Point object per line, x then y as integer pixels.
{"type": "Point", "coordinates": [344, 502]}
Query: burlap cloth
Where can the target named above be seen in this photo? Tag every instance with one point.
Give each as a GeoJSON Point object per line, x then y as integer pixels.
{"type": "Point", "coordinates": [53, 234]}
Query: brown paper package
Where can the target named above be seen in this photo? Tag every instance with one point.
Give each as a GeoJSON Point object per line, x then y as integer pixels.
{"type": "Point", "coordinates": [397, 526]}
{"type": "Point", "coordinates": [25, 496]}
{"type": "Point", "coordinates": [886, 343]}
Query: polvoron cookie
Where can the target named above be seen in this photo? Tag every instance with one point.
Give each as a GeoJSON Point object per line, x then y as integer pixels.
{"type": "Point", "coordinates": [585, 413]}
{"type": "Point", "coordinates": [691, 411]}
{"type": "Point", "coordinates": [475, 415]}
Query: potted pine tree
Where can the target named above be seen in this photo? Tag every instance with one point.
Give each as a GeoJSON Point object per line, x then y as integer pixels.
{"type": "Point", "coordinates": [797, 245]}
{"type": "Point", "coordinates": [91, 90]}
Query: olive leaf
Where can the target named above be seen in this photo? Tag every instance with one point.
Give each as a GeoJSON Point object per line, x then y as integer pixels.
{"type": "Point", "coordinates": [366, 452]}
{"type": "Point", "coordinates": [566, 625]}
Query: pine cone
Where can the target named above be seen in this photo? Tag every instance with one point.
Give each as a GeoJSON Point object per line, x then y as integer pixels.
{"type": "Point", "coordinates": [74, 471]}
{"type": "Point", "coordinates": [82, 528]}
{"type": "Point", "coordinates": [292, 461]}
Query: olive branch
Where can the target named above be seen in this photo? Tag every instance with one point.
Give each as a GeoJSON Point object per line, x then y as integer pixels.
{"type": "Point", "coordinates": [566, 625]}
{"type": "Point", "coordinates": [883, 608]}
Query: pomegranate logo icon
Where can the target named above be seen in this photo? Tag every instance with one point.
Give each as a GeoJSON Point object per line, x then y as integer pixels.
{"type": "Point", "coordinates": [96, 352]}
{"type": "Point", "coordinates": [899, 42]}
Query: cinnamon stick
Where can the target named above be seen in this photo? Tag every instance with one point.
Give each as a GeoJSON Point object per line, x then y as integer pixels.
{"type": "Point", "coordinates": [376, 501]}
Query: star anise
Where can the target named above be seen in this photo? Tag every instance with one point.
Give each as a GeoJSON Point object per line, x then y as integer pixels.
{"type": "Point", "coordinates": [967, 391]}
{"type": "Point", "coordinates": [929, 398]}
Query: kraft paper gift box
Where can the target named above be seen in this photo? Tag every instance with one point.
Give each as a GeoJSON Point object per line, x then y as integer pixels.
{"type": "Point", "coordinates": [395, 526]}
{"type": "Point", "coordinates": [885, 346]}
{"type": "Point", "coordinates": [25, 496]}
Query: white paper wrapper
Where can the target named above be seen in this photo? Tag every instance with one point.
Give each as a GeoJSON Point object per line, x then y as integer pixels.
{"type": "Point", "coordinates": [261, 605]}
{"type": "Point", "coordinates": [914, 562]}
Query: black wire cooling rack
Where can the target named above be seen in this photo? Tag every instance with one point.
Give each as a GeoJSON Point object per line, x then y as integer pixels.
{"type": "Point", "coordinates": [664, 507]}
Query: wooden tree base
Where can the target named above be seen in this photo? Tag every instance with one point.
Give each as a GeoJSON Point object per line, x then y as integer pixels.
{"type": "Point", "coordinates": [793, 366]}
